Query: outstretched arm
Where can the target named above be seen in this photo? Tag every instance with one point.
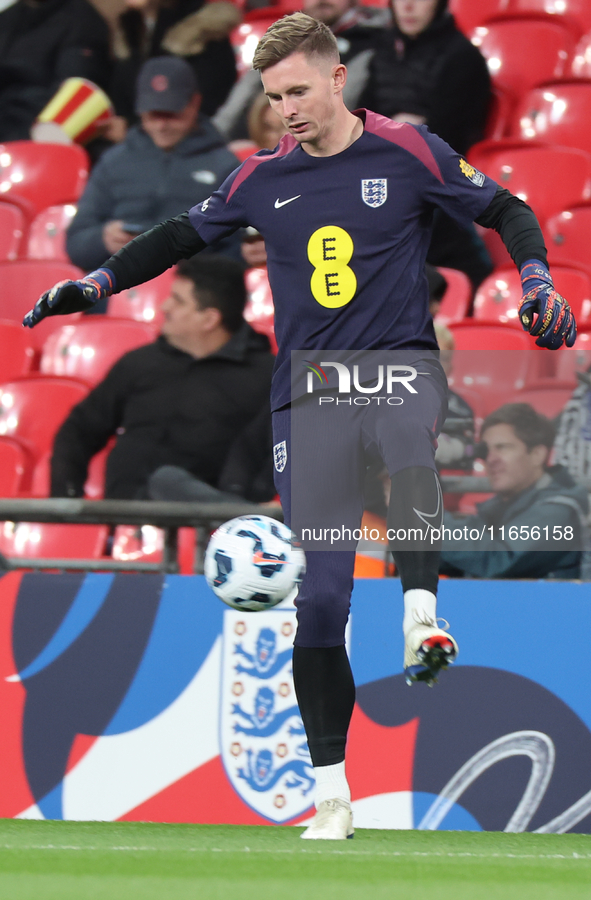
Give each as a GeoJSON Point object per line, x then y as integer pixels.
{"type": "Point", "coordinates": [147, 256]}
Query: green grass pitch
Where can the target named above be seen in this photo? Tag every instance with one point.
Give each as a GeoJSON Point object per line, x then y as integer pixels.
{"type": "Point", "coordinates": [141, 861]}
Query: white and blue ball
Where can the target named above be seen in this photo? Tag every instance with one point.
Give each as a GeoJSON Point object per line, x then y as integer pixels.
{"type": "Point", "coordinates": [251, 563]}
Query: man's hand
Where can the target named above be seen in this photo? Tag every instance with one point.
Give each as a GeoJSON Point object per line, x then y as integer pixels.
{"type": "Point", "coordinates": [115, 237]}
{"type": "Point", "coordinates": [67, 297]}
{"type": "Point", "coordinates": [542, 311]}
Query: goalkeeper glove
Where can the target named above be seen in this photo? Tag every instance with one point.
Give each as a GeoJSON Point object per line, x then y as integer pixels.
{"type": "Point", "coordinates": [67, 297]}
{"type": "Point", "coordinates": [554, 323]}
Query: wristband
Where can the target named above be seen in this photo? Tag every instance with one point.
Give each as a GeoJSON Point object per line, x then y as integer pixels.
{"type": "Point", "coordinates": [102, 280]}
{"type": "Point", "coordinates": [534, 274]}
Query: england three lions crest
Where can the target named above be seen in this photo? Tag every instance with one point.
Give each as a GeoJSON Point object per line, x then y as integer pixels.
{"type": "Point", "coordinates": [262, 740]}
{"type": "Point", "coordinates": [280, 456]}
{"type": "Point", "coordinates": [374, 191]}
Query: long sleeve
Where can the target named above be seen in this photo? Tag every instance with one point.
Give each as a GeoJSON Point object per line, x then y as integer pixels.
{"type": "Point", "coordinates": [517, 226]}
{"type": "Point", "coordinates": [155, 251]}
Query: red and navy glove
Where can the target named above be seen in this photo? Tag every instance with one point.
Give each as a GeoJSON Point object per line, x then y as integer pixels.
{"type": "Point", "coordinates": [542, 311]}
{"type": "Point", "coordinates": [67, 297]}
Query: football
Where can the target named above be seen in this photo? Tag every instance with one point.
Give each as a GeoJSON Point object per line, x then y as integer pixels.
{"type": "Point", "coordinates": [251, 563]}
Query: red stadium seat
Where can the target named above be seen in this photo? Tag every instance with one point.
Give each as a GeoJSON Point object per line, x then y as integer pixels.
{"type": "Point", "coordinates": [12, 231]}
{"type": "Point", "coordinates": [32, 410]}
{"type": "Point", "coordinates": [259, 310]}
{"type": "Point", "coordinates": [568, 238]}
{"type": "Point", "coordinates": [581, 61]}
{"type": "Point", "coordinates": [42, 541]}
{"type": "Point", "coordinates": [13, 464]}
{"type": "Point", "coordinates": [42, 175]}
{"type": "Point", "coordinates": [497, 298]}
{"type": "Point", "coordinates": [471, 13]}
{"type": "Point", "coordinates": [549, 400]}
{"type": "Point", "coordinates": [142, 303]}
{"type": "Point", "coordinates": [16, 351]}
{"type": "Point", "coordinates": [558, 113]}
{"type": "Point", "coordinates": [145, 544]}
{"type": "Point", "coordinates": [456, 300]}
{"type": "Point", "coordinates": [21, 284]}
{"type": "Point", "coordinates": [242, 149]}
{"type": "Point", "coordinates": [517, 167]}
{"type": "Point", "coordinates": [573, 14]}
{"type": "Point", "coordinates": [491, 361]}
{"type": "Point", "coordinates": [90, 347]}
{"type": "Point", "coordinates": [47, 234]}
{"type": "Point", "coordinates": [245, 37]}
{"type": "Point", "coordinates": [507, 46]}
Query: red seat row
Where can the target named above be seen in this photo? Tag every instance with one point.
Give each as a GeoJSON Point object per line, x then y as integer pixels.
{"type": "Point", "coordinates": [575, 15]}
{"type": "Point", "coordinates": [34, 540]}
{"type": "Point", "coordinates": [40, 185]}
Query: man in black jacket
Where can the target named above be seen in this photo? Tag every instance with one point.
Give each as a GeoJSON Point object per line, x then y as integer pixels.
{"type": "Point", "coordinates": [426, 71]}
{"type": "Point", "coordinates": [42, 42]}
{"type": "Point", "coordinates": [188, 400]}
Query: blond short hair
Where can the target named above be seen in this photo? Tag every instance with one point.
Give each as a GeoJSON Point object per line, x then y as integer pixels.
{"type": "Point", "coordinates": [296, 33]}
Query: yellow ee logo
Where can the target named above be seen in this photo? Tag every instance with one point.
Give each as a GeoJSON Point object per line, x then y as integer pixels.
{"type": "Point", "coordinates": [333, 283]}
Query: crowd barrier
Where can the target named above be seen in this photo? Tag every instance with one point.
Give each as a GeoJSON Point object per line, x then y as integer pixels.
{"type": "Point", "coordinates": [141, 697]}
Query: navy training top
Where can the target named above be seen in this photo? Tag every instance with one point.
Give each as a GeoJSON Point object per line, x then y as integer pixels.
{"type": "Point", "coordinates": [347, 235]}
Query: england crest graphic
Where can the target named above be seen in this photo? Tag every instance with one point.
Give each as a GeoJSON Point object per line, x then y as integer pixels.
{"type": "Point", "coordinates": [262, 740]}
{"type": "Point", "coordinates": [374, 191]}
{"type": "Point", "coordinates": [280, 455]}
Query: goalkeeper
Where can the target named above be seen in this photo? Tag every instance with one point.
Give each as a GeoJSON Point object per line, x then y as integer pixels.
{"type": "Point", "coordinates": [344, 204]}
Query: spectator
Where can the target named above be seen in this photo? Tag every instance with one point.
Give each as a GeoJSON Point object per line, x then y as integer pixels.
{"type": "Point", "coordinates": [43, 42]}
{"type": "Point", "coordinates": [264, 127]}
{"type": "Point", "coordinates": [187, 400]}
{"type": "Point", "coordinates": [572, 447]}
{"type": "Point", "coordinates": [175, 158]}
{"type": "Point", "coordinates": [356, 29]}
{"type": "Point", "coordinates": [529, 495]}
{"type": "Point", "coordinates": [455, 444]}
{"type": "Point", "coordinates": [426, 71]}
{"type": "Point", "coordinates": [192, 29]}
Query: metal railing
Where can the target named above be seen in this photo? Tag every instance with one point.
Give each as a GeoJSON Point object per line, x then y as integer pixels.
{"type": "Point", "coordinates": [167, 515]}
{"type": "Point", "coordinates": [170, 516]}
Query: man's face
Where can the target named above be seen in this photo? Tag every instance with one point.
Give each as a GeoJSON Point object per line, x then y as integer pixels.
{"type": "Point", "coordinates": [167, 129]}
{"type": "Point", "coordinates": [327, 11]}
{"type": "Point", "coordinates": [413, 16]}
{"type": "Point", "coordinates": [510, 466]}
{"type": "Point", "coordinates": [182, 317]}
{"type": "Point", "coordinates": [302, 93]}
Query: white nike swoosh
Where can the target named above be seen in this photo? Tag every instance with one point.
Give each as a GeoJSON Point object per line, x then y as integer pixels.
{"type": "Point", "coordinates": [423, 516]}
{"type": "Point", "coordinates": [279, 203]}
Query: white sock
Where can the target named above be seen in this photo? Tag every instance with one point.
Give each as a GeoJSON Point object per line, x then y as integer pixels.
{"type": "Point", "coordinates": [331, 784]}
{"type": "Point", "coordinates": [419, 606]}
